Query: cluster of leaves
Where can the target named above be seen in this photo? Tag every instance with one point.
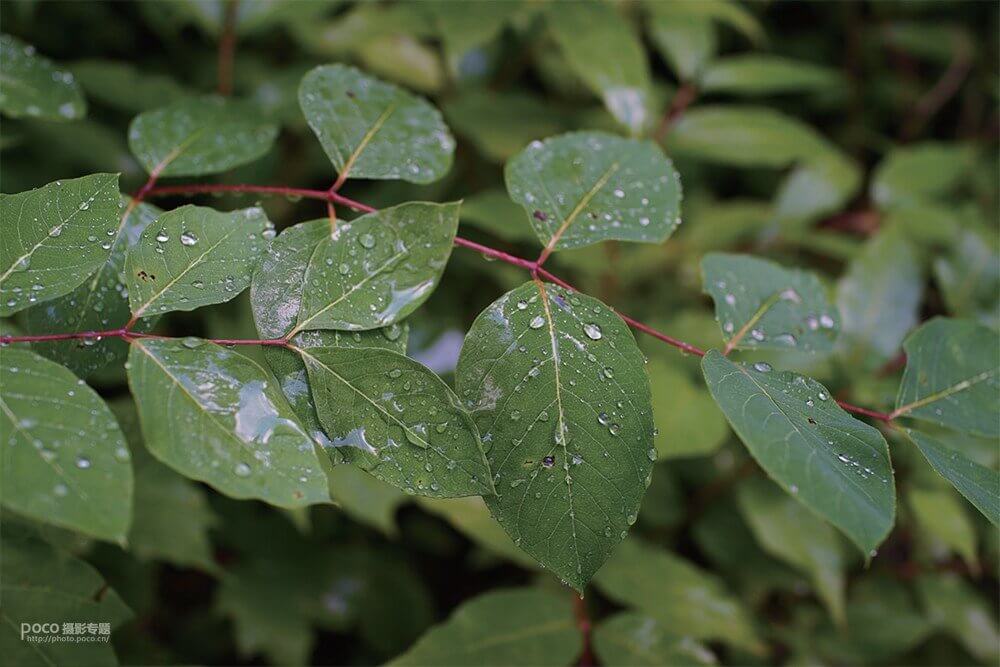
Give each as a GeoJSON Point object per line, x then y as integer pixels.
{"type": "Point", "coordinates": [316, 380]}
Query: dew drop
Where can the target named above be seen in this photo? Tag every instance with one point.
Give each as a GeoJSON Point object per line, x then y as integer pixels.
{"type": "Point", "coordinates": [188, 239]}
{"type": "Point", "coordinates": [762, 367]}
{"type": "Point", "coordinates": [537, 322]}
{"type": "Point", "coordinates": [242, 470]}
{"type": "Point", "coordinates": [593, 331]}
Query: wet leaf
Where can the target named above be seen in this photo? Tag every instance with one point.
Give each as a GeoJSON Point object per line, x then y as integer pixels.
{"type": "Point", "coordinates": [685, 599]}
{"type": "Point", "coordinates": [54, 237]}
{"type": "Point", "coordinates": [834, 464]}
{"type": "Point", "coordinates": [603, 50]}
{"type": "Point", "coordinates": [762, 305]}
{"type": "Point", "coordinates": [630, 638]}
{"type": "Point", "coordinates": [194, 256]}
{"type": "Point", "coordinates": [502, 628]}
{"type": "Point", "coordinates": [754, 74]}
{"type": "Point", "coordinates": [979, 484]}
{"type": "Point", "coordinates": [250, 445]}
{"type": "Point", "coordinates": [373, 129]}
{"type": "Point", "coordinates": [557, 387]}
{"type": "Point", "coordinates": [34, 86]}
{"type": "Point", "coordinates": [952, 377]}
{"type": "Point", "coordinates": [71, 471]}
{"type": "Point", "coordinates": [199, 136]}
{"type": "Point", "coordinates": [395, 418]}
{"type": "Point", "coordinates": [585, 187]}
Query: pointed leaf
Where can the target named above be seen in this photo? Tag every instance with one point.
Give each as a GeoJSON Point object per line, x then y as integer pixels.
{"type": "Point", "coordinates": [249, 444]}
{"type": "Point", "coordinates": [194, 256]}
{"type": "Point", "coordinates": [834, 464]}
{"type": "Point", "coordinates": [762, 305]}
{"type": "Point", "coordinates": [394, 417]}
{"type": "Point", "coordinates": [766, 75]}
{"type": "Point", "coordinates": [687, 43]}
{"type": "Point", "coordinates": [71, 471]}
{"type": "Point", "coordinates": [557, 387]}
{"type": "Point", "coordinates": [199, 136]}
{"type": "Point", "coordinates": [373, 129]}
{"type": "Point", "coordinates": [54, 237]}
{"type": "Point", "coordinates": [585, 187]}
{"type": "Point", "coordinates": [369, 272]}
{"type": "Point", "coordinates": [32, 85]}
{"type": "Point", "coordinates": [100, 303]}
{"type": "Point", "coordinates": [630, 638]}
{"type": "Point", "coordinates": [952, 377]}
{"type": "Point", "coordinates": [979, 484]}
{"type": "Point", "coordinates": [501, 628]}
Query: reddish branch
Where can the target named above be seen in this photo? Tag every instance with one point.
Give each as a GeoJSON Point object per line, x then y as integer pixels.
{"type": "Point", "coordinates": [227, 48]}
{"type": "Point", "coordinates": [583, 623]}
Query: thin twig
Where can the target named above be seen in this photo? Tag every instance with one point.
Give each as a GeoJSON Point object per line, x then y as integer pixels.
{"type": "Point", "coordinates": [227, 48]}
{"type": "Point", "coordinates": [583, 623]}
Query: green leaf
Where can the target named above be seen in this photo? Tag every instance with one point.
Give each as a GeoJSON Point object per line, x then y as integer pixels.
{"type": "Point", "coordinates": [557, 387]}
{"type": "Point", "coordinates": [124, 86]}
{"type": "Point", "coordinates": [878, 298]}
{"type": "Point", "coordinates": [394, 417]}
{"type": "Point", "coordinates": [979, 484]}
{"type": "Point", "coordinates": [364, 498]}
{"type": "Point", "coordinates": [65, 460]}
{"type": "Point", "coordinates": [464, 27]}
{"type": "Point", "coordinates": [199, 136]}
{"type": "Point", "coordinates": [958, 609]}
{"type": "Point", "coordinates": [367, 273]}
{"type": "Point", "coordinates": [969, 277]}
{"type": "Point", "coordinates": [54, 237]}
{"type": "Point", "coordinates": [912, 174]}
{"type": "Point", "coordinates": [688, 43]}
{"type": "Point", "coordinates": [756, 74]}
{"type": "Point", "coordinates": [585, 187]}
{"type": "Point", "coordinates": [373, 129]}
{"type": "Point", "coordinates": [501, 124]}
{"type": "Point", "coordinates": [506, 627]}
{"type": "Point", "coordinates": [941, 516]}
{"type": "Point", "coordinates": [630, 638]}
{"type": "Point", "coordinates": [472, 518]}
{"type": "Point", "coordinates": [820, 186]}
{"type": "Point", "coordinates": [249, 444]}
{"type": "Point", "coordinates": [952, 377]}
{"type": "Point", "coordinates": [100, 303]}
{"type": "Point", "coordinates": [685, 599]}
{"type": "Point", "coordinates": [42, 584]}
{"type": "Point", "coordinates": [733, 14]}
{"type": "Point", "coordinates": [832, 463]}
{"type": "Point", "coordinates": [194, 256]}
{"type": "Point", "coordinates": [494, 212]}
{"type": "Point", "coordinates": [34, 86]}
{"type": "Point", "coordinates": [603, 50]}
{"type": "Point", "coordinates": [762, 305]}
{"type": "Point", "coordinates": [788, 531]}
{"type": "Point", "coordinates": [687, 418]}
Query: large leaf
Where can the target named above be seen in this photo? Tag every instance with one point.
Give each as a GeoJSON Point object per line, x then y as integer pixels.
{"type": "Point", "coordinates": [952, 377]}
{"type": "Point", "coordinates": [765, 75]}
{"type": "Point", "coordinates": [762, 305]}
{"type": "Point", "coordinates": [31, 85]}
{"type": "Point", "coordinates": [685, 599]}
{"type": "Point", "coordinates": [834, 464]}
{"type": "Point", "coordinates": [979, 484]}
{"type": "Point", "coordinates": [604, 51]}
{"type": "Point", "coordinates": [199, 136]}
{"type": "Point", "coordinates": [194, 256]}
{"type": "Point", "coordinates": [249, 443]}
{"type": "Point", "coordinates": [373, 129]}
{"type": "Point", "coordinates": [100, 303]}
{"type": "Point", "coordinates": [630, 638]}
{"type": "Point", "coordinates": [366, 273]}
{"type": "Point", "coordinates": [557, 387]}
{"type": "Point", "coordinates": [506, 627]}
{"type": "Point", "coordinates": [65, 460]}
{"type": "Point", "coordinates": [585, 187]}
{"type": "Point", "coordinates": [398, 420]}
{"type": "Point", "coordinates": [54, 237]}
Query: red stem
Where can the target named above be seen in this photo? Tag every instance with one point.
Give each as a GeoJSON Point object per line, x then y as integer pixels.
{"type": "Point", "coordinates": [227, 48]}
{"type": "Point", "coordinates": [881, 416]}
{"type": "Point", "coordinates": [583, 623]}
{"type": "Point", "coordinates": [209, 188]}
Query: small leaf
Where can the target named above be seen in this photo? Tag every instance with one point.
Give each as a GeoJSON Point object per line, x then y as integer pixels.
{"type": "Point", "coordinates": [65, 460]}
{"type": "Point", "coordinates": [557, 387]}
{"type": "Point", "coordinates": [602, 49]}
{"type": "Point", "coordinates": [952, 377]}
{"type": "Point", "coordinates": [33, 86]}
{"type": "Point", "coordinates": [100, 303]}
{"type": "Point", "coordinates": [585, 187]}
{"type": "Point", "coordinates": [730, 13]}
{"type": "Point", "coordinates": [199, 136]}
{"type": "Point", "coordinates": [394, 417]}
{"type": "Point", "coordinates": [685, 599]}
{"type": "Point", "coordinates": [54, 237]}
{"type": "Point", "coordinates": [755, 74]}
{"type": "Point", "coordinates": [194, 256]}
{"type": "Point", "coordinates": [762, 305]}
{"type": "Point", "coordinates": [687, 43]}
{"type": "Point", "coordinates": [367, 273]}
{"type": "Point", "coordinates": [912, 174]}
{"type": "Point", "coordinates": [373, 129]}
{"type": "Point", "coordinates": [501, 628]}
{"type": "Point", "coordinates": [834, 464]}
{"type": "Point", "coordinates": [979, 484]}
{"type": "Point", "coordinates": [630, 638]}
{"type": "Point", "coordinates": [249, 444]}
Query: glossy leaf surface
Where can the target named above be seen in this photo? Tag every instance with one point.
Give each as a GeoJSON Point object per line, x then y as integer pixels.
{"type": "Point", "coordinates": [979, 484]}
{"type": "Point", "coordinates": [34, 86]}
